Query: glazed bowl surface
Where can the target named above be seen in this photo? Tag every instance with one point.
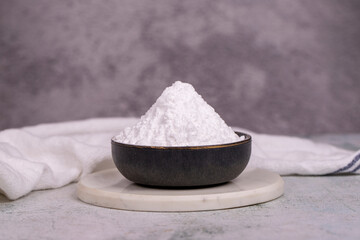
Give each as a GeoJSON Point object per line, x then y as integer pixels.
{"type": "Point", "coordinates": [174, 167]}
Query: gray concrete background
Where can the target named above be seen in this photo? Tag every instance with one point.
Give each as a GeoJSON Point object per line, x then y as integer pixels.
{"type": "Point", "coordinates": [289, 67]}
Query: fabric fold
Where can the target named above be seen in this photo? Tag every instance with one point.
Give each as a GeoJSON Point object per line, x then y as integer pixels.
{"type": "Point", "coordinates": [52, 155]}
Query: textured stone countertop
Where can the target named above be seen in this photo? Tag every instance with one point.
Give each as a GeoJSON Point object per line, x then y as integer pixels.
{"type": "Point", "coordinates": [311, 208]}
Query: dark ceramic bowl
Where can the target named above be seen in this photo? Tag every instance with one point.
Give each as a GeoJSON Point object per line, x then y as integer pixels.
{"type": "Point", "coordinates": [182, 166]}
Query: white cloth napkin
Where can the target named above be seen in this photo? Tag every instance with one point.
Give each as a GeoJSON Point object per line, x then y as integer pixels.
{"type": "Point", "coordinates": [53, 155]}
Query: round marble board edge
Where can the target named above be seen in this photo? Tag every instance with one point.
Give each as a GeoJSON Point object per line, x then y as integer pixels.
{"type": "Point", "coordinates": [108, 188]}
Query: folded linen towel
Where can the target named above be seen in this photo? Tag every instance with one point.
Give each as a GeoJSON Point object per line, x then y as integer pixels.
{"type": "Point", "coordinates": [53, 155]}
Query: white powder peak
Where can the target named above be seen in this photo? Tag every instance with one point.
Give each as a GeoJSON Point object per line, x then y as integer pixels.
{"type": "Point", "coordinates": [179, 117]}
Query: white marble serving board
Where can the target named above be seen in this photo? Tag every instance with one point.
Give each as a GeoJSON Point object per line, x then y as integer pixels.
{"type": "Point", "coordinates": [110, 189]}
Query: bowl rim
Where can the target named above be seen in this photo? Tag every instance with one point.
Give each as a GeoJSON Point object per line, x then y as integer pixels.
{"type": "Point", "coordinates": [231, 144]}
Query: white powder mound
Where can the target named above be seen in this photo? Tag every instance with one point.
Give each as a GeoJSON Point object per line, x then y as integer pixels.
{"type": "Point", "coordinates": [179, 117]}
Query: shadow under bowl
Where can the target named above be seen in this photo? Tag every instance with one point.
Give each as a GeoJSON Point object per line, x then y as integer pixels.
{"type": "Point", "coordinates": [191, 166]}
